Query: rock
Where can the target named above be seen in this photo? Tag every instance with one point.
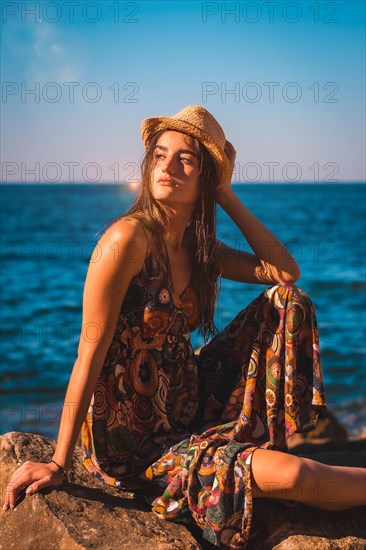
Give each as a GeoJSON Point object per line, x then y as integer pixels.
{"type": "Point", "coordinates": [331, 450]}
{"type": "Point", "coordinates": [327, 429]}
{"type": "Point", "coordinates": [328, 437]}
{"type": "Point", "coordinates": [304, 527]}
{"type": "Point", "coordinates": [85, 513]}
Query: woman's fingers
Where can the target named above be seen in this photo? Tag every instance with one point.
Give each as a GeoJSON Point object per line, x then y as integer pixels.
{"type": "Point", "coordinates": [37, 485]}
{"type": "Point", "coordinates": [34, 476]}
{"type": "Point", "coordinates": [230, 152]}
{"type": "Point", "coordinates": [12, 491]}
{"type": "Point", "coordinates": [229, 147]}
{"type": "Point", "coordinates": [20, 479]}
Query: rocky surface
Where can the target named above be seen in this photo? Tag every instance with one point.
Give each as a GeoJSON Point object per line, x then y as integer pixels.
{"type": "Point", "coordinates": [84, 513]}
{"type": "Point", "coordinates": [87, 514]}
{"type": "Point", "coordinates": [328, 429]}
{"type": "Point", "coordinates": [302, 527]}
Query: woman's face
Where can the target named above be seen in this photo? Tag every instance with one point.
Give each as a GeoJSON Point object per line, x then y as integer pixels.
{"type": "Point", "coordinates": [175, 169]}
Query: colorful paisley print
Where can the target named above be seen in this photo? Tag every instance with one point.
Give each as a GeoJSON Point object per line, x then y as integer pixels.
{"type": "Point", "coordinates": [182, 428]}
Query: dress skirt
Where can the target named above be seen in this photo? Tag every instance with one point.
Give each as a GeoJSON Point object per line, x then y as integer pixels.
{"type": "Point", "coordinates": [260, 380]}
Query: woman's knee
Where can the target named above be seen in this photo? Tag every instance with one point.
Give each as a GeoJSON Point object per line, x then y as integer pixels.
{"type": "Point", "coordinates": [286, 286]}
{"type": "Point", "coordinates": [288, 291]}
{"type": "Point", "coordinates": [276, 474]}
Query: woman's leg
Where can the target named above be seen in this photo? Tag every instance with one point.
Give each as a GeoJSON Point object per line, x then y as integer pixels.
{"type": "Point", "coordinates": [263, 370]}
{"type": "Point", "coordinates": [260, 380]}
{"type": "Point", "coordinates": [279, 475]}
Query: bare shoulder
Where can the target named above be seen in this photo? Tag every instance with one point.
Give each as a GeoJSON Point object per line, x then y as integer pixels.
{"type": "Point", "coordinates": [118, 256]}
{"type": "Point", "coordinates": [127, 240]}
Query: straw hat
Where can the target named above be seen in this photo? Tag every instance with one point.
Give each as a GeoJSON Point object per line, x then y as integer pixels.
{"type": "Point", "coordinates": [195, 121]}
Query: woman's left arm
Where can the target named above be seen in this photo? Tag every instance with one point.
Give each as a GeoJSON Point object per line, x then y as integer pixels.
{"type": "Point", "coordinates": [272, 261]}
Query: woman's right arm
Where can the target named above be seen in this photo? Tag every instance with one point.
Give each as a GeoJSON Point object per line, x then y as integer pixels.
{"type": "Point", "coordinates": [116, 259]}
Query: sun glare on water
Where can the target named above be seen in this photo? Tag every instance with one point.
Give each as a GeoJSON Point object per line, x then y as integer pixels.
{"type": "Point", "coordinates": [133, 185]}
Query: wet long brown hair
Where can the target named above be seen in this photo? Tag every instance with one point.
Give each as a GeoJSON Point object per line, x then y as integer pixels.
{"type": "Point", "coordinates": [200, 233]}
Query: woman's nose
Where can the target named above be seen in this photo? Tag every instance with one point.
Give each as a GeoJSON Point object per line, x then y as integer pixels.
{"type": "Point", "coordinates": [168, 165]}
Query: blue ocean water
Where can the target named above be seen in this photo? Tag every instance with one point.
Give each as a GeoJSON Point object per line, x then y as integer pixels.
{"type": "Point", "coordinates": [49, 232]}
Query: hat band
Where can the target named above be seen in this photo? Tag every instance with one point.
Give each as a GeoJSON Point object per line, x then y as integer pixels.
{"type": "Point", "coordinates": [194, 126]}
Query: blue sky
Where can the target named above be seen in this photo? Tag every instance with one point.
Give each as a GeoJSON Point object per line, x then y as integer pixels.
{"type": "Point", "coordinates": [129, 60]}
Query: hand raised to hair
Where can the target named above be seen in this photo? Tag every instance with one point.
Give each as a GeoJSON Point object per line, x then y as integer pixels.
{"type": "Point", "coordinates": [34, 476]}
{"type": "Point", "coordinates": [224, 191]}
{"type": "Point", "coordinates": [230, 153]}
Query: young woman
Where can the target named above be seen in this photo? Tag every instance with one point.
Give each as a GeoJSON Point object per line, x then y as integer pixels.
{"type": "Point", "coordinates": [201, 434]}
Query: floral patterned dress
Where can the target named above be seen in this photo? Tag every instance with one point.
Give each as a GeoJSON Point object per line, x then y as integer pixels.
{"type": "Point", "coordinates": [182, 428]}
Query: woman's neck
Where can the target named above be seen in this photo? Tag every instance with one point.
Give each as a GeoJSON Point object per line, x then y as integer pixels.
{"type": "Point", "coordinates": [175, 234]}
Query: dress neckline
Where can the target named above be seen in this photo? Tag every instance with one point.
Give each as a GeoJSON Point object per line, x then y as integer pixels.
{"type": "Point", "coordinates": [150, 250]}
{"type": "Point", "coordinates": [180, 298]}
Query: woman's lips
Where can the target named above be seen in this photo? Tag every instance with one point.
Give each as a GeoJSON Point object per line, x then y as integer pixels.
{"type": "Point", "coordinates": [168, 183]}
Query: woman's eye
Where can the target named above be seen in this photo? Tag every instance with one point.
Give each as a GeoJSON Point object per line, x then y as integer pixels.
{"type": "Point", "coordinates": [183, 158]}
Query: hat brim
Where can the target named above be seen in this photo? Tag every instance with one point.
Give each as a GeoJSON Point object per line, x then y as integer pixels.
{"type": "Point", "coordinates": [151, 126]}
